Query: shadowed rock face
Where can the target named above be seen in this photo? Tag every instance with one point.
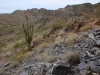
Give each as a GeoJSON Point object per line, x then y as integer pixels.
{"type": "Point", "coordinates": [61, 70]}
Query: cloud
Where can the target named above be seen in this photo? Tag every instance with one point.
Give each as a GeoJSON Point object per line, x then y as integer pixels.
{"type": "Point", "coordinates": [49, 4]}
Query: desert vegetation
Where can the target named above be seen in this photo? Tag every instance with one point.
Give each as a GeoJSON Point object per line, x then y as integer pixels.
{"type": "Point", "coordinates": [28, 32]}
{"type": "Point", "coordinates": [41, 36]}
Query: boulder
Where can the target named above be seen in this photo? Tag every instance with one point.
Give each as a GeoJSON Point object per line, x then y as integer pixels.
{"type": "Point", "coordinates": [62, 70]}
{"type": "Point", "coordinates": [98, 42]}
{"type": "Point", "coordinates": [91, 36]}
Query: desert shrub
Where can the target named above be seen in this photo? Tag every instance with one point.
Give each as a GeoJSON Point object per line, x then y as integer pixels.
{"type": "Point", "coordinates": [68, 54]}
{"type": "Point", "coordinates": [44, 56]}
{"type": "Point", "coordinates": [85, 28]}
{"type": "Point", "coordinates": [72, 57]}
{"type": "Point", "coordinates": [72, 26]}
{"type": "Point", "coordinates": [71, 38]}
{"type": "Point", "coordinates": [56, 25]}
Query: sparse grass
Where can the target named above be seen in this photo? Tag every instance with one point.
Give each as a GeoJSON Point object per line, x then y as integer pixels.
{"type": "Point", "coordinates": [45, 33]}
{"type": "Point", "coordinates": [56, 40]}
{"type": "Point", "coordinates": [97, 6]}
{"type": "Point", "coordinates": [71, 27]}
{"type": "Point", "coordinates": [18, 36]}
{"type": "Point", "coordinates": [1, 72]}
{"type": "Point", "coordinates": [2, 44]}
{"type": "Point", "coordinates": [85, 28]}
{"type": "Point", "coordinates": [14, 64]}
{"type": "Point", "coordinates": [42, 28]}
{"type": "Point", "coordinates": [19, 44]}
{"type": "Point", "coordinates": [80, 13]}
{"type": "Point", "coordinates": [41, 45]}
{"type": "Point", "coordinates": [71, 36]}
{"type": "Point", "coordinates": [10, 39]}
{"type": "Point", "coordinates": [44, 56]}
{"type": "Point", "coordinates": [18, 57]}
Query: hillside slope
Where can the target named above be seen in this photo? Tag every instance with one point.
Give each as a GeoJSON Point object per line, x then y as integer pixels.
{"type": "Point", "coordinates": [49, 29]}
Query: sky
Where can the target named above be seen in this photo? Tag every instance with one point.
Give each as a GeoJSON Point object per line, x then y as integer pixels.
{"type": "Point", "coordinates": [8, 6]}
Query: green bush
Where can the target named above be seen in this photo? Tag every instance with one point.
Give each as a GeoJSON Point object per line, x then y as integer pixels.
{"type": "Point", "coordinates": [56, 25]}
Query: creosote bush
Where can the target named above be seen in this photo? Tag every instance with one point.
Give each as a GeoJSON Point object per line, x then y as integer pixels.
{"type": "Point", "coordinates": [56, 25]}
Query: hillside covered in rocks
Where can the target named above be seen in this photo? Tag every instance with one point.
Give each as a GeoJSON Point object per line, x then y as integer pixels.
{"type": "Point", "coordinates": [65, 41]}
{"type": "Point", "coordinates": [80, 58]}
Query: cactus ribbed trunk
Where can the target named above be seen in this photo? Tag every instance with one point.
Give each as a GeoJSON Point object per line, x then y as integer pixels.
{"type": "Point", "coordinates": [28, 32]}
{"type": "Point", "coordinates": [29, 46]}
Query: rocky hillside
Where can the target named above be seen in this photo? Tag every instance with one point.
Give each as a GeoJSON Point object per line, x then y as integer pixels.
{"type": "Point", "coordinates": [56, 51]}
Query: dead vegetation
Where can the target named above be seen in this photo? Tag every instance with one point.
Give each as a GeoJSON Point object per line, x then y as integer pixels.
{"type": "Point", "coordinates": [46, 57]}
{"type": "Point", "coordinates": [72, 57]}
{"type": "Point", "coordinates": [85, 28]}
{"type": "Point", "coordinates": [71, 38]}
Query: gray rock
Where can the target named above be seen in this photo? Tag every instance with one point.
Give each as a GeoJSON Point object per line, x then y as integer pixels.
{"type": "Point", "coordinates": [95, 69]}
{"type": "Point", "coordinates": [83, 72]}
{"type": "Point", "coordinates": [97, 30]}
{"type": "Point", "coordinates": [62, 70]}
{"type": "Point", "coordinates": [6, 64]}
{"type": "Point", "coordinates": [97, 37]}
{"type": "Point", "coordinates": [98, 42]}
{"type": "Point", "coordinates": [81, 65]}
{"type": "Point", "coordinates": [91, 36]}
{"type": "Point", "coordinates": [24, 73]}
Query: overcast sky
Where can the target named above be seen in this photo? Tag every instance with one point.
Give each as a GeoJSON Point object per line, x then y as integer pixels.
{"type": "Point", "coordinates": [8, 6]}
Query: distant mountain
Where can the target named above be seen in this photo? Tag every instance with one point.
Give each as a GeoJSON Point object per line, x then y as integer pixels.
{"type": "Point", "coordinates": [43, 16]}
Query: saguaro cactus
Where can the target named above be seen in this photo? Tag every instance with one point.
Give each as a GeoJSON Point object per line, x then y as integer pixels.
{"type": "Point", "coordinates": [28, 32]}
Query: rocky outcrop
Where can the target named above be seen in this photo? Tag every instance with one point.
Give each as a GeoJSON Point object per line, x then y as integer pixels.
{"type": "Point", "coordinates": [87, 63]}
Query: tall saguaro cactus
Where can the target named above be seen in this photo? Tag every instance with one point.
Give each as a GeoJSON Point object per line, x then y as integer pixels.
{"type": "Point", "coordinates": [28, 32]}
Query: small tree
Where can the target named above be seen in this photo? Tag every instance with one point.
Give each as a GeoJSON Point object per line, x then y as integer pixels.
{"type": "Point", "coordinates": [28, 32]}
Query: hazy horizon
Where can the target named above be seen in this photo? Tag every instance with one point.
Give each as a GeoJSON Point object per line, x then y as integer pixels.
{"type": "Point", "coordinates": [11, 5]}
